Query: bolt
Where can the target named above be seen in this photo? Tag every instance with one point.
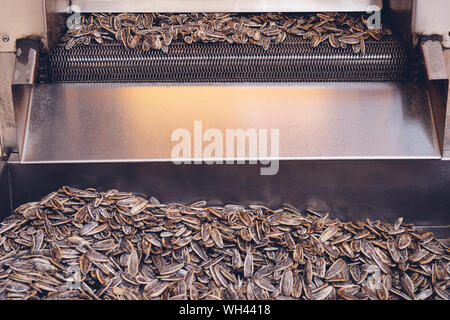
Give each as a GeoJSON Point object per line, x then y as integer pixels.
{"type": "Point", "coordinates": [5, 38]}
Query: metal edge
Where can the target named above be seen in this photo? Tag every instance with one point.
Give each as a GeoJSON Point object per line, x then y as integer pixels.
{"type": "Point", "coordinates": [26, 64]}
{"type": "Point", "coordinates": [8, 139]}
{"type": "Point", "coordinates": [433, 54]}
{"type": "Point", "coordinates": [22, 96]}
{"type": "Point", "coordinates": [230, 160]}
{"type": "Point", "coordinates": [5, 191]}
{"type": "Point", "coordinates": [22, 87]}
{"type": "Point", "coordinates": [446, 143]}
{"type": "Point", "coordinates": [221, 6]}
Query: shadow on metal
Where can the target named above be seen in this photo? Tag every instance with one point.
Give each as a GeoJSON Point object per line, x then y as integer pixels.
{"type": "Point", "coordinates": [5, 199]}
{"type": "Point", "coordinates": [418, 190]}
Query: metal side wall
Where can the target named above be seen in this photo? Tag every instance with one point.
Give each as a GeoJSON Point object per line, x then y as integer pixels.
{"type": "Point", "coordinates": [5, 199]}
{"type": "Point", "coordinates": [385, 190]}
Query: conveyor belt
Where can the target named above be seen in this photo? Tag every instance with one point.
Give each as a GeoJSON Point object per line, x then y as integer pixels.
{"type": "Point", "coordinates": [292, 60]}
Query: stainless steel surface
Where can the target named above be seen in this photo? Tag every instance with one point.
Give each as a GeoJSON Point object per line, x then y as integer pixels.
{"type": "Point", "coordinates": [22, 99]}
{"type": "Point", "coordinates": [8, 139]}
{"type": "Point", "coordinates": [437, 85]}
{"type": "Point", "coordinates": [400, 15]}
{"type": "Point", "coordinates": [20, 19]}
{"type": "Point", "coordinates": [437, 91]}
{"type": "Point", "coordinates": [98, 123]}
{"type": "Point", "coordinates": [446, 148]}
{"type": "Point", "coordinates": [431, 18]}
{"type": "Point", "coordinates": [5, 197]}
{"type": "Point", "coordinates": [434, 60]}
{"type": "Point", "coordinates": [25, 67]}
{"type": "Point", "coordinates": [385, 190]}
{"type": "Point", "coordinates": [22, 85]}
{"type": "Point", "coordinates": [415, 18]}
{"type": "Point", "coordinates": [222, 6]}
{"type": "Point", "coordinates": [54, 20]}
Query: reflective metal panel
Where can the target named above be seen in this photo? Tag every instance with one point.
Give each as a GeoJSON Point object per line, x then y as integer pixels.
{"type": "Point", "coordinates": [222, 6]}
{"type": "Point", "coordinates": [385, 190]}
{"type": "Point", "coordinates": [20, 19]}
{"type": "Point", "coordinates": [8, 139]}
{"type": "Point", "coordinates": [85, 123]}
{"type": "Point", "coordinates": [447, 111]}
{"type": "Point", "coordinates": [431, 18]}
{"type": "Point", "coordinates": [5, 199]}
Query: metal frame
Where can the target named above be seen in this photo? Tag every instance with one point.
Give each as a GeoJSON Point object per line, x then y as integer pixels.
{"type": "Point", "coordinates": [5, 195]}
{"type": "Point", "coordinates": [431, 18]}
{"type": "Point", "coordinates": [20, 19]}
{"type": "Point", "coordinates": [15, 91]}
{"type": "Point", "coordinates": [437, 84]}
{"type": "Point", "coordinates": [222, 5]}
{"type": "Point", "coordinates": [8, 139]}
{"type": "Point", "coordinates": [446, 148]}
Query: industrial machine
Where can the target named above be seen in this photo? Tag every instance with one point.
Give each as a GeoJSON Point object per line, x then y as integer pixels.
{"type": "Point", "coordinates": [360, 136]}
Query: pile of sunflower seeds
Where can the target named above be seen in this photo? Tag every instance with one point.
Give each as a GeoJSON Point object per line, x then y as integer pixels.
{"type": "Point", "coordinates": [84, 244]}
{"type": "Point", "coordinates": [158, 31]}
